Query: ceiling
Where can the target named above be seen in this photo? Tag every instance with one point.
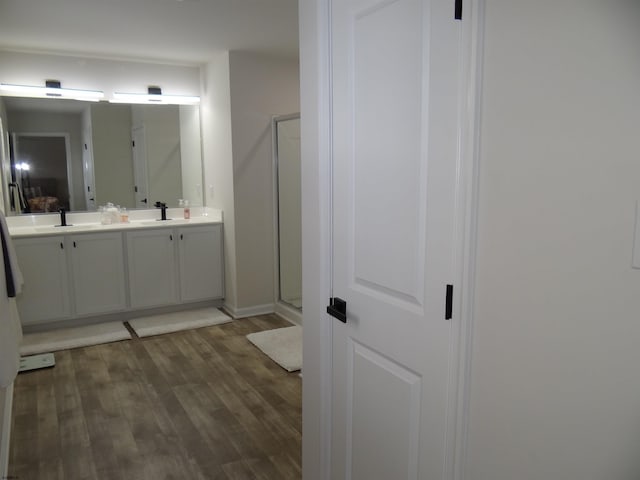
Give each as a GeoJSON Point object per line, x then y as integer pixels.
{"type": "Point", "coordinates": [177, 31]}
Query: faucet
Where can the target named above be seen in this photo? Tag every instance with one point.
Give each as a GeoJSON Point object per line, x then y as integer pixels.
{"type": "Point", "coordinates": [163, 210]}
{"type": "Point", "coordinates": [63, 218]}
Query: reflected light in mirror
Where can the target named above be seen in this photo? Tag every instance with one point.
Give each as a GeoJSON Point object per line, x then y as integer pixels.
{"type": "Point", "coordinates": [23, 166]}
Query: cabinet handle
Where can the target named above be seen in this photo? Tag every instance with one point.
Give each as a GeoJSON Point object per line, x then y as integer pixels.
{"type": "Point", "coordinates": [180, 236]}
{"type": "Point", "coordinates": [61, 246]}
{"type": "Point", "coordinates": [74, 244]}
{"type": "Point", "coordinates": [171, 237]}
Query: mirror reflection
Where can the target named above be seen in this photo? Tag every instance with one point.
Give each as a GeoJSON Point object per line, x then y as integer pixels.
{"type": "Point", "coordinates": [81, 155]}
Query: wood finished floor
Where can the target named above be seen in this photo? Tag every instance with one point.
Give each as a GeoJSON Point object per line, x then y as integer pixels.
{"type": "Point", "coordinates": [198, 404]}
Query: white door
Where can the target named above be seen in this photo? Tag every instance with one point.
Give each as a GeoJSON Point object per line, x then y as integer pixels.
{"type": "Point", "coordinates": [97, 263]}
{"type": "Point", "coordinates": [140, 178]}
{"type": "Point", "coordinates": [201, 263]}
{"type": "Point", "coordinates": [153, 276]}
{"type": "Point", "coordinates": [395, 87]}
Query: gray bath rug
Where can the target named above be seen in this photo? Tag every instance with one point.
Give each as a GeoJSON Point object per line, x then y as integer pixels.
{"type": "Point", "coordinates": [282, 345]}
{"type": "Point", "coordinates": [176, 321]}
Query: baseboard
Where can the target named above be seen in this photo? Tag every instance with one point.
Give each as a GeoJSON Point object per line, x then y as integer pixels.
{"type": "Point", "coordinates": [288, 313]}
{"type": "Point", "coordinates": [6, 430]}
{"type": "Point", "coordinates": [249, 311]}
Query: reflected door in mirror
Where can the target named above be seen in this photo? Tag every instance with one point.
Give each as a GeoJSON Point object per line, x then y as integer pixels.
{"type": "Point", "coordinates": [39, 168]}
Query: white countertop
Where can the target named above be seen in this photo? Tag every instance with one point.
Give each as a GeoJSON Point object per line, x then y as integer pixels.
{"type": "Point", "coordinates": [89, 222]}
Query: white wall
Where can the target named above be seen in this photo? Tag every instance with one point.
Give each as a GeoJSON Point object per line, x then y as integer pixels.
{"type": "Point", "coordinates": [261, 87]}
{"type": "Point", "coordinates": [555, 391]}
{"type": "Point", "coordinates": [215, 109]}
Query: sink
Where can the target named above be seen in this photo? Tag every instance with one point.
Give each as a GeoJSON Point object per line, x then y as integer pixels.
{"type": "Point", "coordinates": [56, 229]}
{"type": "Point", "coordinates": [167, 222]}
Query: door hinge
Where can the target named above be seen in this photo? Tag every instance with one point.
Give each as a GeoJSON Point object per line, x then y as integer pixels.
{"type": "Point", "coordinates": [448, 304]}
{"type": "Point", "coordinates": [458, 10]}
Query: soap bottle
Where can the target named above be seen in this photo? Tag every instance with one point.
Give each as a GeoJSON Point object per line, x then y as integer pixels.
{"type": "Point", "coordinates": [187, 210]}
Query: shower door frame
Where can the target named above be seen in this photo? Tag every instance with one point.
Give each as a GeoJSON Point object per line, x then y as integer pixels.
{"type": "Point", "coordinates": [282, 307]}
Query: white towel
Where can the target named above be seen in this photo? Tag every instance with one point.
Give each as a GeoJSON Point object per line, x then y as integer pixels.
{"type": "Point", "coordinates": [10, 328]}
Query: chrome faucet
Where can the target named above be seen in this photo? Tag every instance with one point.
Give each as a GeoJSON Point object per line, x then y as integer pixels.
{"type": "Point", "coordinates": [163, 210]}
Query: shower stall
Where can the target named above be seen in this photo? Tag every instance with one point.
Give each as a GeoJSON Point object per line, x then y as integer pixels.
{"type": "Point", "coordinates": [287, 163]}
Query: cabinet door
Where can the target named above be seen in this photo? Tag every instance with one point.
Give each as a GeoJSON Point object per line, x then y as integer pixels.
{"type": "Point", "coordinates": [201, 265]}
{"type": "Point", "coordinates": [152, 268]}
{"type": "Point", "coordinates": [97, 263]}
{"type": "Point", "coordinates": [45, 294]}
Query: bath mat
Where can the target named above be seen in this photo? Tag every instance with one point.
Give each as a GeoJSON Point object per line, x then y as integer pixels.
{"type": "Point", "coordinates": [65, 338]}
{"type": "Point", "coordinates": [174, 322]}
{"type": "Point", "coordinates": [282, 345]}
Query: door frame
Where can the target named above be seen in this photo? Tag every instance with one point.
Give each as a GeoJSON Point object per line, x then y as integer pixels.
{"type": "Point", "coordinates": [281, 307]}
{"type": "Point", "coordinates": [316, 150]}
{"type": "Point", "coordinates": [140, 165]}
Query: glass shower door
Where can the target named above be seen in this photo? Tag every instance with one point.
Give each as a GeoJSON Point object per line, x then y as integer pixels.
{"type": "Point", "coordinates": [289, 214]}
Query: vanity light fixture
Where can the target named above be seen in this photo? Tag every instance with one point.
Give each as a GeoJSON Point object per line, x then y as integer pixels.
{"type": "Point", "coordinates": [52, 89]}
{"type": "Point", "coordinates": [154, 95]}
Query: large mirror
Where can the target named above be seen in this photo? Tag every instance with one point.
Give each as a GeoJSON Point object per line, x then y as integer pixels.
{"type": "Point", "coordinates": [80, 155]}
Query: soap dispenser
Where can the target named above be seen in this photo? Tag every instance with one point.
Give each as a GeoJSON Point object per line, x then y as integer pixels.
{"type": "Point", "coordinates": [184, 205]}
{"type": "Point", "coordinates": [187, 210]}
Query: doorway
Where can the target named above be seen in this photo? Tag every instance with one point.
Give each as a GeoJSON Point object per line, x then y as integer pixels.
{"type": "Point", "coordinates": [41, 172]}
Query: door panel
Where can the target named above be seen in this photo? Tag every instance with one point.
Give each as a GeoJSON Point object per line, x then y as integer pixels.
{"type": "Point", "coordinates": [385, 435]}
{"type": "Point", "coordinates": [395, 154]}
{"type": "Point", "coordinates": [387, 127]}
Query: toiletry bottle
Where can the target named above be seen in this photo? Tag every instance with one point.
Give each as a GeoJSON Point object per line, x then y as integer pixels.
{"type": "Point", "coordinates": [115, 214]}
{"type": "Point", "coordinates": [187, 210]}
{"type": "Point", "coordinates": [107, 216]}
{"type": "Point", "coordinates": [124, 215]}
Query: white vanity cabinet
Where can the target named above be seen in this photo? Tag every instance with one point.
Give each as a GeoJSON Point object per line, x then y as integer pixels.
{"type": "Point", "coordinates": [77, 276]}
{"type": "Point", "coordinates": [45, 294]}
{"type": "Point", "coordinates": [175, 265]}
{"type": "Point", "coordinates": [97, 272]}
{"type": "Point", "coordinates": [70, 275]}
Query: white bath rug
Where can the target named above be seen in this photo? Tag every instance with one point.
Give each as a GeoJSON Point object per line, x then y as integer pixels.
{"type": "Point", "coordinates": [282, 345]}
{"type": "Point", "coordinates": [65, 338]}
{"type": "Point", "coordinates": [174, 322]}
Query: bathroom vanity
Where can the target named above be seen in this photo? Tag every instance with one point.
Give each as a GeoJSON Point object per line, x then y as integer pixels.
{"type": "Point", "coordinates": [88, 271]}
